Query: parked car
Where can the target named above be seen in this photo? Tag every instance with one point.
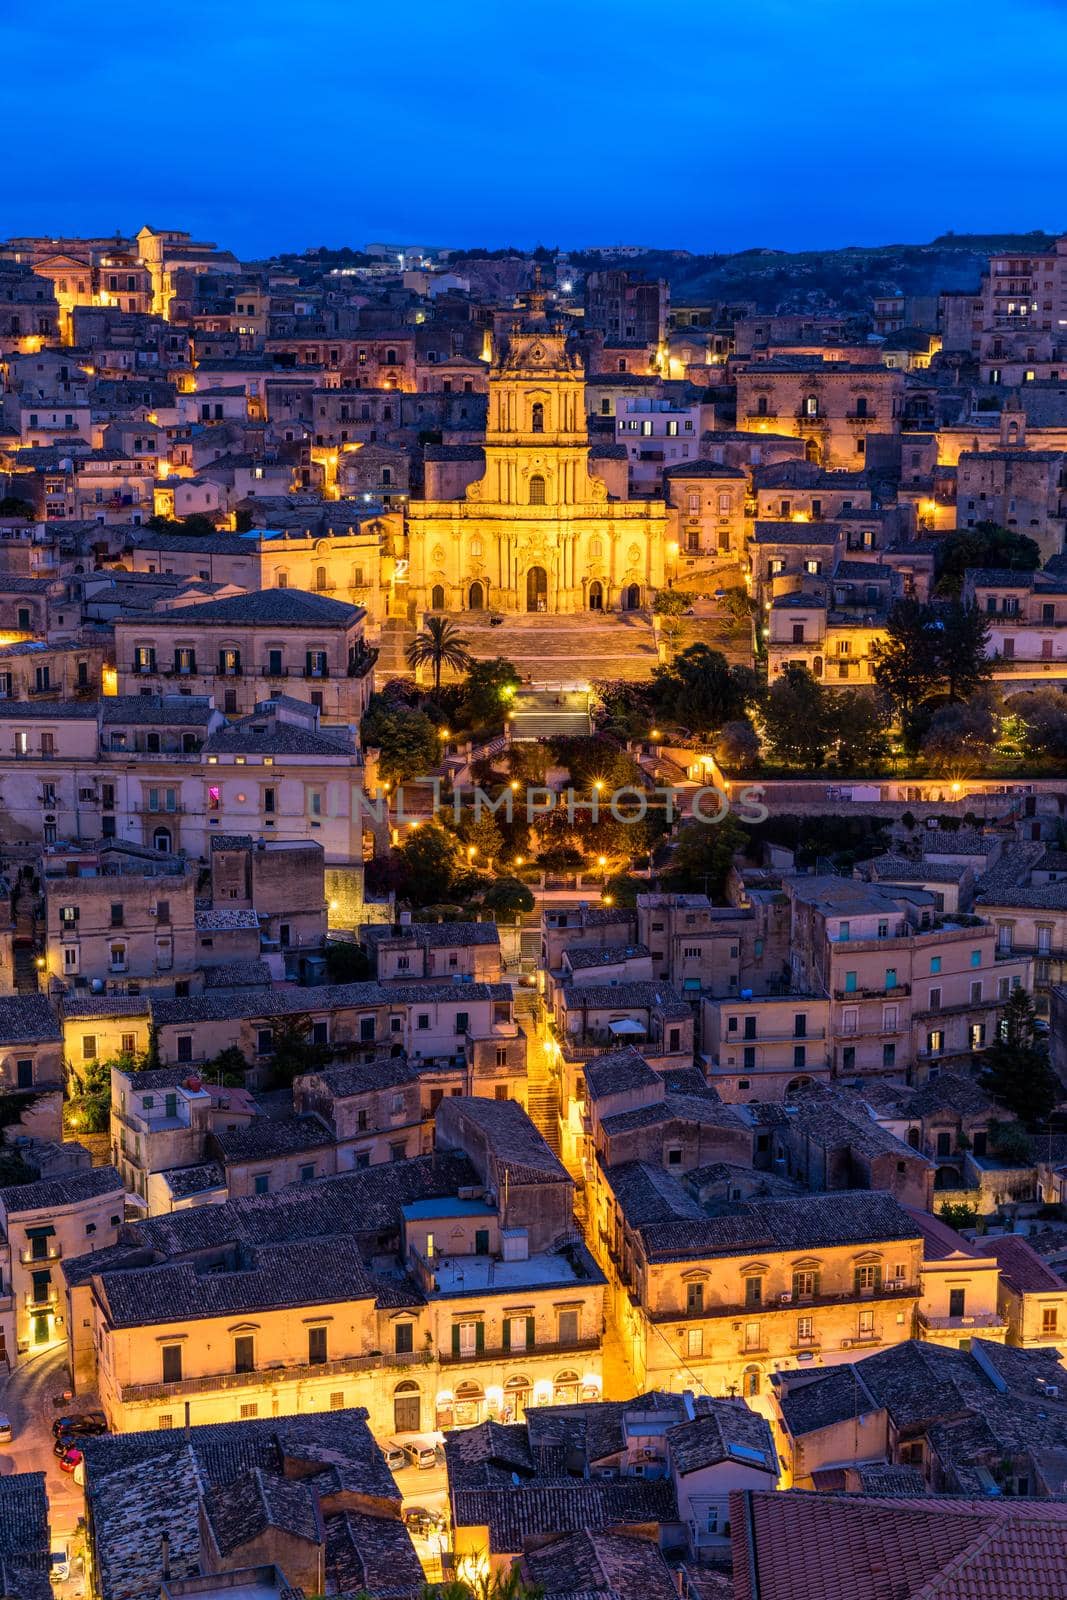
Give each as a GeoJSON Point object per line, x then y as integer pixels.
{"type": "Point", "coordinates": [417, 1519]}
{"type": "Point", "coordinates": [7, 1433]}
{"type": "Point", "coordinates": [421, 1451]}
{"type": "Point", "coordinates": [394, 1455]}
{"type": "Point", "coordinates": [86, 1422]}
{"type": "Point", "coordinates": [70, 1460]}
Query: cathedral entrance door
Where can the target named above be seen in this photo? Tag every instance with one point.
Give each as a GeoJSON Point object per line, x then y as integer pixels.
{"type": "Point", "coordinates": [631, 597]}
{"type": "Point", "coordinates": [476, 597]}
{"type": "Point", "coordinates": [596, 596]}
{"type": "Point", "coordinates": [537, 589]}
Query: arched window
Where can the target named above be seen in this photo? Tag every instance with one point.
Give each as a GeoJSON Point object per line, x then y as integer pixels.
{"type": "Point", "coordinates": [811, 405]}
{"type": "Point", "coordinates": [726, 502]}
{"type": "Point", "coordinates": [565, 1388]}
{"type": "Point", "coordinates": [437, 598]}
{"type": "Point", "coordinates": [387, 477]}
{"type": "Point", "coordinates": [537, 490]}
{"type": "Point", "coordinates": [161, 839]}
{"type": "Point", "coordinates": [476, 547]}
{"type": "Point", "coordinates": [596, 547]}
{"type": "Point", "coordinates": [390, 357]}
{"type": "Point", "coordinates": [320, 578]}
{"type": "Point", "coordinates": [694, 504]}
{"type": "Point", "coordinates": [861, 405]}
{"type": "Point", "coordinates": [537, 417]}
{"type": "Point", "coordinates": [750, 1382]}
{"type": "Point", "coordinates": [357, 577]}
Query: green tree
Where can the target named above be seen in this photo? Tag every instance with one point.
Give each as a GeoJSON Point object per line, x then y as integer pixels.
{"type": "Point", "coordinates": [430, 860]}
{"type": "Point", "coordinates": [703, 855]}
{"type": "Point", "coordinates": [798, 721]}
{"type": "Point", "coordinates": [488, 690]}
{"type": "Point", "coordinates": [439, 645]}
{"type": "Point", "coordinates": [701, 691]}
{"type": "Point", "coordinates": [88, 1104]}
{"type": "Point", "coordinates": [737, 747]}
{"type": "Point", "coordinates": [987, 545]}
{"type": "Point", "coordinates": [1042, 714]}
{"type": "Point", "coordinates": [859, 720]}
{"type": "Point", "coordinates": [906, 664]}
{"type": "Point", "coordinates": [671, 603]}
{"type": "Point", "coordinates": [507, 897]}
{"type": "Point", "coordinates": [409, 743]}
{"type": "Point", "coordinates": [293, 1050]}
{"type": "Point", "coordinates": [482, 834]}
{"type": "Point", "coordinates": [960, 738]}
{"type": "Point", "coordinates": [1015, 1069]}
{"type": "Point", "coordinates": [962, 650]}
{"type": "Point", "coordinates": [1010, 1142]}
{"type": "Point", "coordinates": [12, 505]}
{"type": "Point", "coordinates": [958, 1214]}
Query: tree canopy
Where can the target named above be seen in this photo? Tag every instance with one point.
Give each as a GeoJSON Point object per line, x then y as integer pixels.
{"type": "Point", "coordinates": [986, 545]}
{"type": "Point", "coordinates": [701, 691]}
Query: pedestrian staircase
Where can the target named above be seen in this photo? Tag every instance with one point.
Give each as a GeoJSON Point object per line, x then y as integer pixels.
{"type": "Point", "coordinates": [24, 957]}
{"type": "Point", "coordinates": [559, 652]}
{"type": "Point", "coordinates": [542, 1094]}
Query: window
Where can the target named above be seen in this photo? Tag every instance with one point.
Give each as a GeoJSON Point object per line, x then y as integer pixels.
{"type": "Point", "coordinates": [1049, 1320]}
{"type": "Point", "coordinates": [249, 1409]}
{"type": "Point", "coordinates": [694, 1299]}
{"type": "Point", "coordinates": [866, 1329]}
{"type": "Point", "coordinates": [806, 1283]}
{"type": "Point", "coordinates": [537, 490]}
{"type": "Point", "coordinates": [468, 1338]}
{"type": "Point", "coordinates": [568, 1327]}
{"type": "Point", "coordinates": [957, 1300]}
{"type": "Point", "coordinates": [976, 955]}
{"type": "Point", "coordinates": [24, 1074]}
{"type": "Point", "coordinates": [935, 964]}
{"type": "Point", "coordinates": [694, 1342]}
{"type": "Point", "coordinates": [244, 1353]}
{"type": "Point", "coordinates": [866, 1279]}
{"type": "Point", "coordinates": [316, 1346]}
{"type": "Point", "coordinates": [805, 1330]}
{"type": "Point", "coordinates": [172, 1363]}
{"type": "Point", "coordinates": [537, 417]}
{"type": "Point", "coordinates": [404, 1338]}
{"type": "Point", "coordinates": [754, 1291]}
{"type": "Point", "coordinates": [261, 1183]}
{"type": "Point", "coordinates": [89, 1047]}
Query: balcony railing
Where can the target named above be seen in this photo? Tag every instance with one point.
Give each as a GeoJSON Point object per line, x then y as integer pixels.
{"type": "Point", "coordinates": [786, 1304]}
{"type": "Point", "coordinates": [884, 993]}
{"type": "Point", "coordinates": [263, 1377]}
{"type": "Point", "coordinates": [499, 1353]}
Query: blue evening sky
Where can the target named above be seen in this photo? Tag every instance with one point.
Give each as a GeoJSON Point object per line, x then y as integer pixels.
{"type": "Point", "coordinates": [708, 124]}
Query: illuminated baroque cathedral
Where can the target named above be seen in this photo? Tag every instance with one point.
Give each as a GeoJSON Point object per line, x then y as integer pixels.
{"type": "Point", "coordinates": [538, 531]}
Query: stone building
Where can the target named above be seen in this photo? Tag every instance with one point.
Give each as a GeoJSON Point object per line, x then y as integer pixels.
{"type": "Point", "coordinates": [538, 532]}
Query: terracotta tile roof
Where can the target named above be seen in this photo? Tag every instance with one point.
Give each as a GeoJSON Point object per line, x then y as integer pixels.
{"type": "Point", "coordinates": [609, 1564]}
{"type": "Point", "coordinates": [1020, 1265]}
{"type": "Point", "coordinates": [850, 1547]}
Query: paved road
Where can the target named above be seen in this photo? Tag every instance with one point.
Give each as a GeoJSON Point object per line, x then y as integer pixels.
{"type": "Point", "coordinates": [26, 1396]}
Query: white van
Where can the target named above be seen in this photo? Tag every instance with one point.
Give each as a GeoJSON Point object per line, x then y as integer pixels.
{"type": "Point", "coordinates": [394, 1455]}
{"type": "Point", "coordinates": [421, 1450]}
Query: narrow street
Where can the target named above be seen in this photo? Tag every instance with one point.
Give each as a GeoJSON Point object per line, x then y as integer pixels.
{"type": "Point", "coordinates": [26, 1397]}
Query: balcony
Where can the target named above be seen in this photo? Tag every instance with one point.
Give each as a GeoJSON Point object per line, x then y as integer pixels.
{"type": "Point", "coordinates": [28, 1259]}
{"type": "Point", "coordinates": [513, 1353]}
{"type": "Point", "coordinates": [159, 809]}
{"type": "Point", "coordinates": [784, 1304]}
{"type": "Point", "coordinates": [861, 416]}
{"type": "Point", "coordinates": [264, 1377]}
{"type": "Point", "coordinates": [979, 1322]}
{"type": "Point", "coordinates": [314, 673]}
{"type": "Point", "coordinates": [891, 993]}
{"type": "Point", "coordinates": [754, 415]}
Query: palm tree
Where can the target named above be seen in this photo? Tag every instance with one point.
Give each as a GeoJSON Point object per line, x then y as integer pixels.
{"type": "Point", "coordinates": [441, 644]}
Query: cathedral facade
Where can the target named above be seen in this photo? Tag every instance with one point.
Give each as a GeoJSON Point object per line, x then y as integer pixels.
{"type": "Point", "coordinates": [538, 531]}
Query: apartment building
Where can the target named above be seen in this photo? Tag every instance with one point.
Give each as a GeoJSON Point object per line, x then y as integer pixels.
{"type": "Point", "coordinates": [772, 1284]}
{"type": "Point", "coordinates": [832, 405]}
{"type": "Point", "coordinates": [912, 992]}
{"type": "Point", "coordinates": [974, 1421]}
{"type": "Point", "coordinates": [31, 1063]}
{"type": "Point", "coordinates": [247, 648]}
{"type": "Point", "coordinates": [442, 1023]}
{"type": "Point", "coordinates": [832, 624]}
{"type": "Point", "coordinates": [765, 1046]}
{"type": "Point", "coordinates": [405, 951]}
{"type": "Point", "coordinates": [43, 1224]}
{"type": "Point", "coordinates": [117, 915]}
{"type": "Point", "coordinates": [705, 511]}
{"type": "Point", "coordinates": [481, 1299]}
{"type": "Point", "coordinates": [160, 1122]}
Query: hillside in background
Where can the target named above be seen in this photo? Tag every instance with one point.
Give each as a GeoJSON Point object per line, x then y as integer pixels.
{"type": "Point", "coordinates": [812, 279]}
